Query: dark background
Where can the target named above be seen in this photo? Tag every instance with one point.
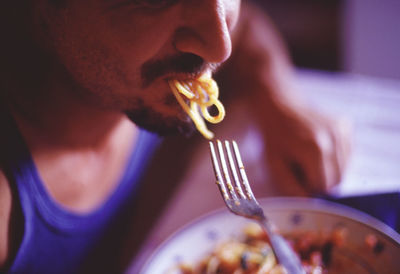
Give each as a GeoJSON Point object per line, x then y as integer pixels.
{"type": "Point", "coordinates": [311, 29]}
{"type": "Point", "coordinates": [358, 36]}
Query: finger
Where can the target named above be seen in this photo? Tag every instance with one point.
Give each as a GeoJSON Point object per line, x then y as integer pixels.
{"type": "Point", "coordinates": [285, 179]}
{"type": "Point", "coordinates": [341, 136]}
{"type": "Point", "coordinates": [335, 154]}
{"type": "Point", "coordinates": [331, 170]}
{"type": "Point", "coordinates": [315, 165]}
{"type": "Point", "coordinates": [307, 165]}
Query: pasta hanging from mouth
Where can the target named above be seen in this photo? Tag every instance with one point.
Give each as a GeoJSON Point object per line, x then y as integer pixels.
{"type": "Point", "coordinates": [202, 94]}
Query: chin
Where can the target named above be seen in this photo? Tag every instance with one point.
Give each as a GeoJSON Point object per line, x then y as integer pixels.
{"type": "Point", "coordinates": [160, 124]}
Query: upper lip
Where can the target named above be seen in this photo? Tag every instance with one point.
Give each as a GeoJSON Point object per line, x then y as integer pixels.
{"type": "Point", "coordinates": [183, 76]}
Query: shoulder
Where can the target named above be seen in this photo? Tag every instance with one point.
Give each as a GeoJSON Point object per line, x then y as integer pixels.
{"type": "Point", "coordinates": [11, 222]}
{"type": "Point", "coordinates": [5, 212]}
{"type": "Point", "coordinates": [6, 193]}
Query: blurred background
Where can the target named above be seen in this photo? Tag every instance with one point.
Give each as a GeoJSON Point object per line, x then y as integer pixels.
{"type": "Point", "coordinates": [349, 60]}
{"type": "Point", "coordinates": [359, 36]}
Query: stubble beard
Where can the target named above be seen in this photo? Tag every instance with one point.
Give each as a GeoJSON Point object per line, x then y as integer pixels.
{"type": "Point", "coordinates": [151, 120]}
{"type": "Point", "coordinates": [190, 65]}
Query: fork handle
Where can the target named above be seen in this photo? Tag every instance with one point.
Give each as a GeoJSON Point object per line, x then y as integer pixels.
{"type": "Point", "coordinates": [283, 252]}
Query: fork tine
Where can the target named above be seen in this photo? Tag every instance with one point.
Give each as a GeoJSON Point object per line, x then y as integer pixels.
{"type": "Point", "coordinates": [220, 180]}
{"type": "Point", "coordinates": [248, 206]}
{"type": "Point", "coordinates": [225, 170]}
{"type": "Point", "coordinates": [243, 175]}
{"type": "Point", "coordinates": [234, 172]}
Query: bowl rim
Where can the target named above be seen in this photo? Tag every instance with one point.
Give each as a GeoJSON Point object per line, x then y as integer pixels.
{"type": "Point", "coordinates": [333, 208]}
{"type": "Point", "coordinates": [289, 203]}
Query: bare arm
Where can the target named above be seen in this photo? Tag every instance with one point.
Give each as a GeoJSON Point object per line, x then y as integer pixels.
{"type": "Point", "coordinates": [5, 218]}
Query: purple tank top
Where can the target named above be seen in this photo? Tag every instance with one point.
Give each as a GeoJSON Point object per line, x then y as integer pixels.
{"type": "Point", "coordinates": [58, 241]}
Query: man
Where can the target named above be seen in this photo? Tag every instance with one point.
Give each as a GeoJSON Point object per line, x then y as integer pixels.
{"type": "Point", "coordinates": [73, 72]}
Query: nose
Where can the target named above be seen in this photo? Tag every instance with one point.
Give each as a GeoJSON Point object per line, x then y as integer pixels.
{"type": "Point", "coordinates": [204, 29]}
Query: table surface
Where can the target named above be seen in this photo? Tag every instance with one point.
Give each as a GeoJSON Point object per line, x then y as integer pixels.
{"type": "Point", "coordinates": [371, 105]}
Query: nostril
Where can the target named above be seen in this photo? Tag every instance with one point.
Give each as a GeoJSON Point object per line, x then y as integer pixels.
{"type": "Point", "coordinates": [205, 33]}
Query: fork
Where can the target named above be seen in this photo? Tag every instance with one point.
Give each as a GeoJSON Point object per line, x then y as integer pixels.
{"type": "Point", "coordinates": [240, 200]}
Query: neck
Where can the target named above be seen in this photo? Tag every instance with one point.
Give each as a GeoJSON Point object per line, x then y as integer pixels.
{"type": "Point", "coordinates": [57, 117]}
{"type": "Point", "coordinates": [80, 150]}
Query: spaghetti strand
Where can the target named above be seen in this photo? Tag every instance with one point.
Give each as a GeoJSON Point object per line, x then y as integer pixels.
{"type": "Point", "coordinates": [202, 94]}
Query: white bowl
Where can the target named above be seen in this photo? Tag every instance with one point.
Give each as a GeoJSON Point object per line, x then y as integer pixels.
{"type": "Point", "coordinates": [199, 237]}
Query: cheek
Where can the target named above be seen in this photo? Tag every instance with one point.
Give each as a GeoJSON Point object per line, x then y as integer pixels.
{"type": "Point", "coordinates": [119, 52]}
{"type": "Point", "coordinates": [105, 57]}
{"type": "Point", "coordinates": [111, 73]}
{"type": "Point", "coordinates": [141, 37]}
{"type": "Point", "coordinates": [93, 65]}
{"type": "Point", "coordinates": [90, 54]}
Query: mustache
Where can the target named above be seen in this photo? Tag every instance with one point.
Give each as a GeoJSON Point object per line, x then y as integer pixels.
{"type": "Point", "coordinates": [184, 63]}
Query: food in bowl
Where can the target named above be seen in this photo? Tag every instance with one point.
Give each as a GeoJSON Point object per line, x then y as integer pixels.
{"type": "Point", "coordinates": [250, 252]}
{"type": "Point", "coordinates": [361, 243]}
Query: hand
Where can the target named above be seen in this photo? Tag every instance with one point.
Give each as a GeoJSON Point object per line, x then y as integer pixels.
{"type": "Point", "coordinates": [307, 152]}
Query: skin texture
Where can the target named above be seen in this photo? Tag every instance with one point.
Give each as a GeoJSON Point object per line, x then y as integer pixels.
{"type": "Point", "coordinates": [86, 64]}
{"type": "Point", "coordinates": [5, 212]}
{"type": "Point", "coordinates": [107, 67]}
{"type": "Point", "coordinates": [75, 68]}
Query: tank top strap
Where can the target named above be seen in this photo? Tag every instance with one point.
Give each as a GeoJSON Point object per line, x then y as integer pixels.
{"type": "Point", "coordinates": [52, 232]}
{"type": "Point", "coordinates": [35, 199]}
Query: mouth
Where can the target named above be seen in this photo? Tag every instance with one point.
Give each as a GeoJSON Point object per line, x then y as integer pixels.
{"type": "Point", "coordinates": [186, 76]}
{"type": "Point", "coordinates": [180, 67]}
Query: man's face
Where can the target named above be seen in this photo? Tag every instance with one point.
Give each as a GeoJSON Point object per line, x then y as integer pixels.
{"type": "Point", "coordinates": [120, 53]}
